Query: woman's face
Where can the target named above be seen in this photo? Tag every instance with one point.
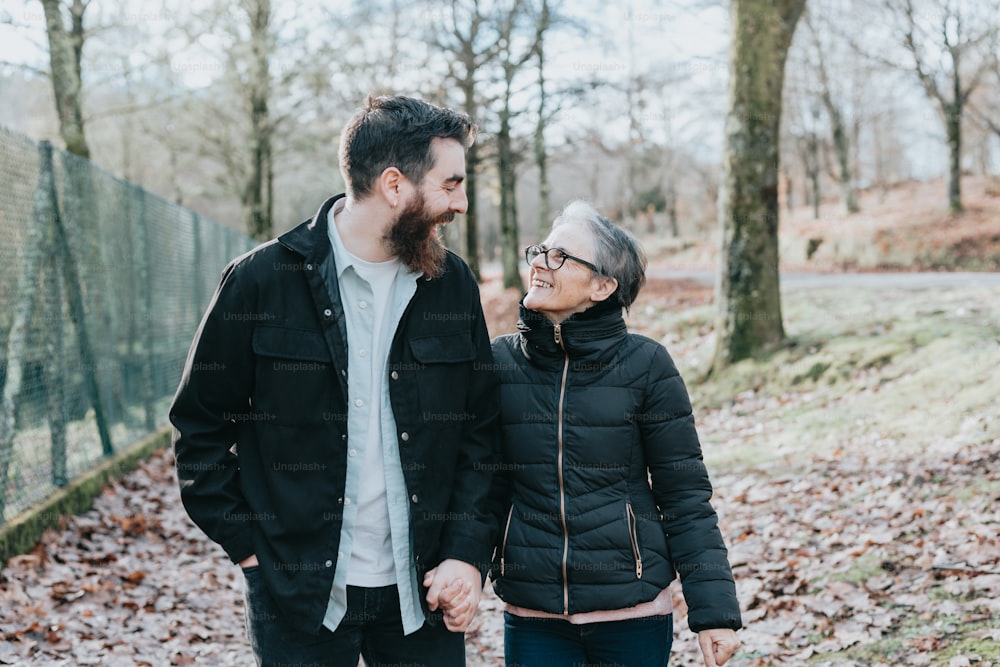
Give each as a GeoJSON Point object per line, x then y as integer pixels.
{"type": "Point", "coordinates": [573, 288]}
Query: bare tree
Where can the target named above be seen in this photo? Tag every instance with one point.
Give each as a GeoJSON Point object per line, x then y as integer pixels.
{"type": "Point", "coordinates": [472, 40]}
{"type": "Point", "coordinates": [258, 195]}
{"type": "Point", "coordinates": [838, 130]}
{"type": "Point", "coordinates": [65, 51]}
{"type": "Point", "coordinates": [748, 298]}
{"type": "Point", "coordinates": [948, 44]}
{"type": "Point", "coordinates": [541, 154]}
{"type": "Point", "coordinates": [513, 55]}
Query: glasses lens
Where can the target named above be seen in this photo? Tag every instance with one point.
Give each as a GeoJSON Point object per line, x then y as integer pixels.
{"type": "Point", "coordinates": [557, 258]}
{"type": "Point", "coordinates": [531, 252]}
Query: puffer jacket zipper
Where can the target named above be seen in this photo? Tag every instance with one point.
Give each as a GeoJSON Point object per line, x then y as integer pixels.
{"type": "Point", "coordinates": [503, 544]}
{"type": "Point", "coordinates": [633, 536]}
{"type": "Point", "coordinates": [557, 333]}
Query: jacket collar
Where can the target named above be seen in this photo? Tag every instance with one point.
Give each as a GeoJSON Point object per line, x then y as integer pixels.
{"type": "Point", "coordinates": [594, 335]}
{"type": "Point", "coordinates": [310, 239]}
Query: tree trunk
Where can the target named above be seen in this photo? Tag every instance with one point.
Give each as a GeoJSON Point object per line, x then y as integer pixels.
{"type": "Point", "coordinates": [811, 157]}
{"type": "Point", "coordinates": [471, 170]}
{"type": "Point", "coordinates": [671, 196]}
{"type": "Point", "coordinates": [748, 297]}
{"type": "Point", "coordinates": [64, 59]}
{"type": "Point", "coordinates": [953, 126]}
{"type": "Point", "coordinates": [848, 197]}
{"type": "Point", "coordinates": [510, 251]}
{"type": "Point", "coordinates": [256, 201]}
{"type": "Point", "coordinates": [541, 157]}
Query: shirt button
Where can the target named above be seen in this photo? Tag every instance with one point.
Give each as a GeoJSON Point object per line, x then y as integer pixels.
{"type": "Point", "coordinates": [328, 563]}
{"type": "Point", "coordinates": [414, 498]}
{"type": "Point", "coordinates": [394, 375]}
{"type": "Point", "coordinates": [363, 353]}
{"type": "Point", "coordinates": [353, 452]}
{"type": "Point", "coordinates": [358, 402]}
{"type": "Point", "coordinates": [327, 312]}
{"type": "Point", "coordinates": [404, 436]}
{"type": "Point", "coordinates": [347, 501]}
{"type": "Point", "coordinates": [362, 305]}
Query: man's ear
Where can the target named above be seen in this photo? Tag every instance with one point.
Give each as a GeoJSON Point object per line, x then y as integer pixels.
{"type": "Point", "coordinates": [389, 183]}
{"type": "Point", "coordinates": [604, 286]}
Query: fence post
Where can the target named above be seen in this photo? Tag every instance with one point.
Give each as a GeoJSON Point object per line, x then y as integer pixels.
{"type": "Point", "coordinates": [77, 312]}
{"type": "Point", "coordinates": [197, 293]}
{"type": "Point", "coordinates": [53, 327]}
{"type": "Point", "coordinates": [144, 297]}
{"type": "Point", "coordinates": [24, 306]}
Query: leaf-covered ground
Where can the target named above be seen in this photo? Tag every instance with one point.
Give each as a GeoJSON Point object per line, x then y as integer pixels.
{"type": "Point", "coordinates": [857, 479]}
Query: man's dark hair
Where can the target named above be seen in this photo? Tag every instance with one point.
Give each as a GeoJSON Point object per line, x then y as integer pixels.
{"type": "Point", "coordinates": [396, 132]}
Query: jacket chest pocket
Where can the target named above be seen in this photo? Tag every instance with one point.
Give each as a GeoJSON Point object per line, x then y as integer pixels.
{"type": "Point", "coordinates": [293, 375]}
{"type": "Point", "coordinates": [443, 379]}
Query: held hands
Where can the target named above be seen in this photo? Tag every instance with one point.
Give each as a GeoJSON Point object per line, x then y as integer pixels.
{"type": "Point", "coordinates": [455, 586]}
{"type": "Point", "coordinates": [718, 645]}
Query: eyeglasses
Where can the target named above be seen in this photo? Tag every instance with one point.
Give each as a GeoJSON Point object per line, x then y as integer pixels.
{"type": "Point", "coordinates": [555, 258]}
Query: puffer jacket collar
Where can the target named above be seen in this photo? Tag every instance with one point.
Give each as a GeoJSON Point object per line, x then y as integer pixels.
{"type": "Point", "coordinates": [594, 335]}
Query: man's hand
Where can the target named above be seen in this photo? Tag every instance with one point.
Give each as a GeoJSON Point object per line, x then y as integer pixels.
{"type": "Point", "coordinates": [718, 645]}
{"type": "Point", "coordinates": [250, 561]}
{"type": "Point", "coordinates": [455, 586]}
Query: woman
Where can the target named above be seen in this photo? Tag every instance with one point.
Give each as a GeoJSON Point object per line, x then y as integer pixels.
{"type": "Point", "coordinates": [603, 490]}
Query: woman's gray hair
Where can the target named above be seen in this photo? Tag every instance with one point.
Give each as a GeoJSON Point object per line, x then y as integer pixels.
{"type": "Point", "coordinates": [617, 252]}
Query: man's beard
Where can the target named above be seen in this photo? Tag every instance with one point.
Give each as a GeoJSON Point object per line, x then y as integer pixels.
{"type": "Point", "coordinates": [411, 238]}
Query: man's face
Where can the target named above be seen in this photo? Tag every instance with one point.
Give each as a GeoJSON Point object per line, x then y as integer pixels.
{"type": "Point", "coordinates": [413, 236]}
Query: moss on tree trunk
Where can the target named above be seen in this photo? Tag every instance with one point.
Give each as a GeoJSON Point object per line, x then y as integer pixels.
{"type": "Point", "coordinates": [747, 292]}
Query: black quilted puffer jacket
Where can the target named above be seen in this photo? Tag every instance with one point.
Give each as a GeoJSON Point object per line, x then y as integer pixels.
{"type": "Point", "coordinates": [603, 495]}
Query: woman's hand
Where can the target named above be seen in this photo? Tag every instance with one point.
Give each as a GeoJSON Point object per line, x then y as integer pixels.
{"type": "Point", "coordinates": [718, 645]}
{"type": "Point", "coordinates": [455, 587]}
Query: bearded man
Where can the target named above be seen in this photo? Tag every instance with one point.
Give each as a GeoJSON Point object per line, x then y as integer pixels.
{"type": "Point", "coordinates": [335, 427]}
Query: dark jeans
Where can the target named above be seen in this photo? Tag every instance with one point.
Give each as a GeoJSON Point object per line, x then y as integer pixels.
{"type": "Point", "coordinates": [372, 628]}
{"type": "Point", "coordinates": [544, 642]}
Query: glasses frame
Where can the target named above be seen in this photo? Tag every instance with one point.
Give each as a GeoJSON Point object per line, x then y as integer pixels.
{"type": "Point", "coordinates": [537, 250]}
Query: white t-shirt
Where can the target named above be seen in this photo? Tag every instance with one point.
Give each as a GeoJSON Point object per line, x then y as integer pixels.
{"type": "Point", "coordinates": [372, 562]}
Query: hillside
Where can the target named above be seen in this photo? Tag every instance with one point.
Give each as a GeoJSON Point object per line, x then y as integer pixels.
{"type": "Point", "coordinates": [904, 228]}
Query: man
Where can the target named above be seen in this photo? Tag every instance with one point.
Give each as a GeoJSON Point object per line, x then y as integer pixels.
{"type": "Point", "coordinates": [335, 422]}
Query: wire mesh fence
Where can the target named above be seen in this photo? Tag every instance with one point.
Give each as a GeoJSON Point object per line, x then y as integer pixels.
{"type": "Point", "coordinates": [102, 285]}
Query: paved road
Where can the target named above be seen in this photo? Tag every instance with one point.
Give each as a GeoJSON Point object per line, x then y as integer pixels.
{"type": "Point", "coordinates": [910, 280]}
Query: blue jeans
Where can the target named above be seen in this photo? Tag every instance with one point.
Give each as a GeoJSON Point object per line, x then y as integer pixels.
{"type": "Point", "coordinates": [372, 628]}
{"type": "Point", "coordinates": [544, 642]}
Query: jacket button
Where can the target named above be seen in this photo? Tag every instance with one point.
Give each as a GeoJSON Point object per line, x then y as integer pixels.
{"type": "Point", "coordinates": [327, 312]}
{"type": "Point", "coordinates": [309, 267]}
{"type": "Point", "coordinates": [414, 498]}
{"type": "Point", "coordinates": [394, 375]}
{"type": "Point", "coordinates": [404, 436]}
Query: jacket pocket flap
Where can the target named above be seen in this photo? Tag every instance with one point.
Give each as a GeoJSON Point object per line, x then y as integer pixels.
{"type": "Point", "coordinates": [290, 344]}
{"type": "Point", "coordinates": [446, 349]}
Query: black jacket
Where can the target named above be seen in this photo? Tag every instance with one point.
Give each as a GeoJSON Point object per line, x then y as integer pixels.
{"type": "Point", "coordinates": [606, 491]}
{"type": "Point", "coordinates": [260, 417]}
